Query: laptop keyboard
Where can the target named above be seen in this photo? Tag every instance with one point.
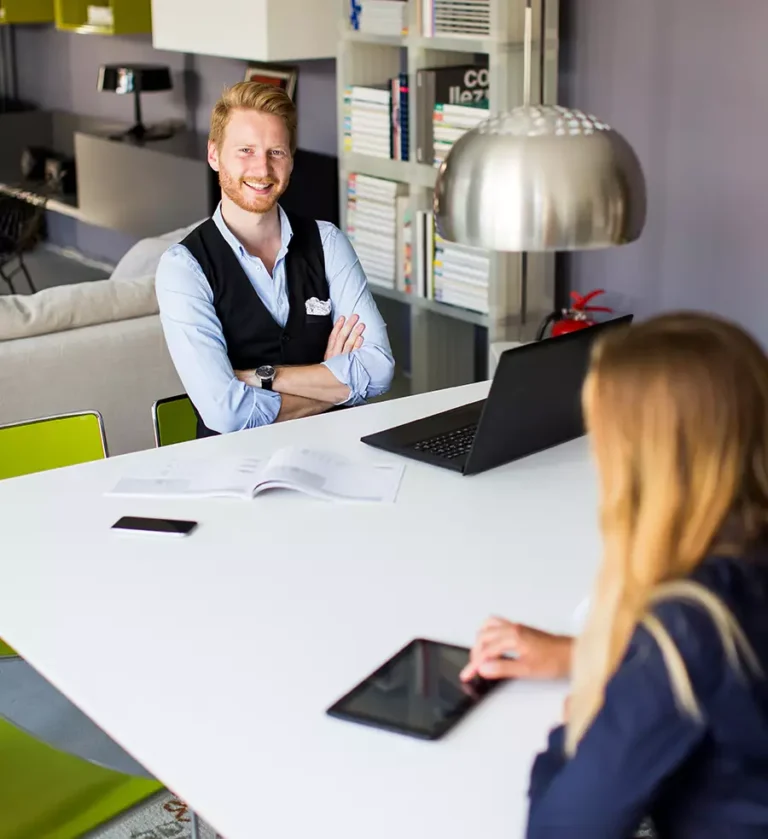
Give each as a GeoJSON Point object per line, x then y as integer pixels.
{"type": "Point", "coordinates": [451, 445]}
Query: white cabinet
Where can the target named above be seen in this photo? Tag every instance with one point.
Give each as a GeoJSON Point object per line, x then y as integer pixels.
{"type": "Point", "coordinates": [255, 30]}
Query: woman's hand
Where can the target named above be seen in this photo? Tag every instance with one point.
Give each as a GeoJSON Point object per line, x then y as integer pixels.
{"type": "Point", "coordinates": [537, 654]}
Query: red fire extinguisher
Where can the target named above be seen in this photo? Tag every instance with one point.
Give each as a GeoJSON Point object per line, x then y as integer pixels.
{"type": "Point", "coordinates": [569, 320]}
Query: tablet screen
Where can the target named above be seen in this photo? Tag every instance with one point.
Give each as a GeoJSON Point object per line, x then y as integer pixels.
{"type": "Point", "coordinates": [416, 692]}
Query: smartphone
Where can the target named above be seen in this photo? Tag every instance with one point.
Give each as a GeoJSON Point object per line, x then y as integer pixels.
{"type": "Point", "coordinates": [417, 692]}
{"type": "Point", "coordinates": [165, 527]}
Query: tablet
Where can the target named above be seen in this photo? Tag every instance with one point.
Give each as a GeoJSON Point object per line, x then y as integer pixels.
{"type": "Point", "coordinates": [417, 692]}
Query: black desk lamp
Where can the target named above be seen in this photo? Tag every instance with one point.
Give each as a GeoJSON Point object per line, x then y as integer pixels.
{"type": "Point", "coordinates": [137, 79]}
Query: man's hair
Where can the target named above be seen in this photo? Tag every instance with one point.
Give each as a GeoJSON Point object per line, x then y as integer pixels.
{"type": "Point", "coordinates": [253, 96]}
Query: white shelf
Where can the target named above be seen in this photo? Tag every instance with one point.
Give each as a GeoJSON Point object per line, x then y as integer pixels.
{"type": "Point", "coordinates": [407, 172]}
{"type": "Point", "coordinates": [354, 36]}
{"type": "Point", "coordinates": [447, 43]}
{"type": "Point", "coordinates": [455, 43]}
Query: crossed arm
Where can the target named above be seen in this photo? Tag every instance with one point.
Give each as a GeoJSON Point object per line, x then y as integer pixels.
{"type": "Point", "coordinates": [311, 389]}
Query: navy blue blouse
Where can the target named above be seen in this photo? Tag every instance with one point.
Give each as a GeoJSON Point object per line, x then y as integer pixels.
{"type": "Point", "coordinates": [643, 756]}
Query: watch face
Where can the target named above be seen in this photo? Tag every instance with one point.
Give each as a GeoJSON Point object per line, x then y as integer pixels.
{"type": "Point", "coordinates": [266, 371]}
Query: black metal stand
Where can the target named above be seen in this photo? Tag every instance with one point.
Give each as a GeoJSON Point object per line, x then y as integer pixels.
{"type": "Point", "coordinates": [138, 132]}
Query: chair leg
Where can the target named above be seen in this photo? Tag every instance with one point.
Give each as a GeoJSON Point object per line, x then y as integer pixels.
{"type": "Point", "coordinates": [8, 280]}
{"type": "Point", "coordinates": [26, 274]}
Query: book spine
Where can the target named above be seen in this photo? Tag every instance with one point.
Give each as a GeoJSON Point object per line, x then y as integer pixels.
{"type": "Point", "coordinates": [404, 117]}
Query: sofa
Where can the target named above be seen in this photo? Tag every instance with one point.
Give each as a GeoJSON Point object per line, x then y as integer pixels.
{"type": "Point", "coordinates": [92, 346]}
{"type": "Point", "coordinates": [89, 346]}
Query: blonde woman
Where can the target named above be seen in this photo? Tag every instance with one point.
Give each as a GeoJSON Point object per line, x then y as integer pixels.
{"type": "Point", "coordinates": [668, 712]}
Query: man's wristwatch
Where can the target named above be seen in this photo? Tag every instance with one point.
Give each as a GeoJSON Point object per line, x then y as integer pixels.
{"type": "Point", "coordinates": [265, 376]}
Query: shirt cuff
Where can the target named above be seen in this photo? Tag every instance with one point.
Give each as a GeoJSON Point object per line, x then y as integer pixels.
{"type": "Point", "coordinates": [351, 374]}
{"type": "Point", "coordinates": [266, 407]}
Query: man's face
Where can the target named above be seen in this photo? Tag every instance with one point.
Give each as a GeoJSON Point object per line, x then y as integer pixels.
{"type": "Point", "coordinates": [254, 160]}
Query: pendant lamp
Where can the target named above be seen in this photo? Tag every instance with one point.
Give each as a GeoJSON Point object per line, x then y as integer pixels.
{"type": "Point", "coordinates": [540, 178]}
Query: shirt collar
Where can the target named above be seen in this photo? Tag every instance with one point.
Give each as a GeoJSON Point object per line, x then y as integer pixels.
{"type": "Point", "coordinates": [286, 232]}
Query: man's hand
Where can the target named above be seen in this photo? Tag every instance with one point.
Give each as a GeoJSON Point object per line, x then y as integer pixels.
{"type": "Point", "coordinates": [295, 407]}
{"type": "Point", "coordinates": [347, 335]}
{"type": "Point", "coordinates": [538, 655]}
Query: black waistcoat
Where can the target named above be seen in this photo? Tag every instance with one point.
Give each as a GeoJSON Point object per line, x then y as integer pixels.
{"type": "Point", "coordinates": [252, 335]}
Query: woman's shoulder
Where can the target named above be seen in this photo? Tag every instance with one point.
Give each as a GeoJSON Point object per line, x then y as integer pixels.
{"type": "Point", "coordinates": [741, 582]}
{"type": "Point", "coordinates": [708, 615]}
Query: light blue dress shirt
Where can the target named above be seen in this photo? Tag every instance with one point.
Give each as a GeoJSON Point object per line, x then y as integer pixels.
{"type": "Point", "coordinates": [196, 341]}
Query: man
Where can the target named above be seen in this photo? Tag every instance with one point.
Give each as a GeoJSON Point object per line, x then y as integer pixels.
{"type": "Point", "coordinates": [267, 316]}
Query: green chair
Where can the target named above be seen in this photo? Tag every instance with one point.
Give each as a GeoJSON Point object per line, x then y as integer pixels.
{"type": "Point", "coordinates": [174, 420]}
{"type": "Point", "coordinates": [49, 793]}
{"type": "Point", "coordinates": [50, 443]}
{"type": "Point", "coordinates": [5, 650]}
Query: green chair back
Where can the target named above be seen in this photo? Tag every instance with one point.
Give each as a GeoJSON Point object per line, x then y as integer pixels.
{"type": "Point", "coordinates": [174, 420]}
{"type": "Point", "coordinates": [53, 794]}
{"type": "Point", "coordinates": [50, 443]}
{"type": "Point", "coordinates": [5, 650]}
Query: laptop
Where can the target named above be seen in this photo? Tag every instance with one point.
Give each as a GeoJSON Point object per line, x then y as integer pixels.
{"type": "Point", "coordinates": [534, 403]}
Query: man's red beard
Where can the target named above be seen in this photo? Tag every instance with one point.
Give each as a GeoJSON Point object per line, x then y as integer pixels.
{"type": "Point", "coordinates": [246, 197]}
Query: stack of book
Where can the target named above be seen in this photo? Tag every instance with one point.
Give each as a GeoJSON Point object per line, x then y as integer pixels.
{"type": "Point", "coordinates": [456, 275]}
{"type": "Point", "coordinates": [376, 219]}
{"type": "Point", "coordinates": [455, 17]}
{"type": "Point", "coordinates": [368, 120]}
{"type": "Point", "coordinates": [454, 99]}
{"type": "Point", "coordinates": [379, 17]}
{"type": "Point", "coordinates": [376, 119]}
{"type": "Point", "coordinates": [451, 122]}
{"type": "Point", "coordinates": [460, 275]}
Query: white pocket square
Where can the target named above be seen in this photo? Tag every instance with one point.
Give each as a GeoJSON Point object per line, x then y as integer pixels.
{"type": "Point", "coordinates": [318, 307]}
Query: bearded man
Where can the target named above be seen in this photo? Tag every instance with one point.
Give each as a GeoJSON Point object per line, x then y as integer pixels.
{"type": "Point", "coordinates": [267, 315]}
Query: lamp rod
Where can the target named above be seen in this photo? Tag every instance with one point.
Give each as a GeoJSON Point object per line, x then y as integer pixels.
{"type": "Point", "coordinates": [528, 53]}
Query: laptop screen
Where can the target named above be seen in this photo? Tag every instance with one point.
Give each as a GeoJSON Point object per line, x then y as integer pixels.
{"type": "Point", "coordinates": [535, 397]}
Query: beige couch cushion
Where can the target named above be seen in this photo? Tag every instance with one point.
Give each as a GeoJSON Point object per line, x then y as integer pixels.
{"type": "Point", "coordinates": [66, 307]}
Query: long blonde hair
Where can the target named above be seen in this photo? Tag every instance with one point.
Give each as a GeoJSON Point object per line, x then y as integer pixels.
{"type": "Point", "coordinates": [677, 412]}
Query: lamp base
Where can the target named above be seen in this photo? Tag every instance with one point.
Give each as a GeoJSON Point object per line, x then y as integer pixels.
{"type": "Point", "coordinates": [140, 133]}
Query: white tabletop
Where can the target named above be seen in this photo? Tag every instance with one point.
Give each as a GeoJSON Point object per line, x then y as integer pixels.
{"type": "Point", "coordinates": [212, 659]}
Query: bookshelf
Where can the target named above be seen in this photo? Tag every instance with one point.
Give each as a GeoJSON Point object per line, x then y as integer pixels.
{"type": "Point", "coordinates": [445, 341]}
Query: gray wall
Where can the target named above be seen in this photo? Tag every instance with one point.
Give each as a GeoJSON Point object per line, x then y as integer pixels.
{"type": "Point", "coordinates": [685, 82]}
{"type": "Point", "coordinates": [60, 70]}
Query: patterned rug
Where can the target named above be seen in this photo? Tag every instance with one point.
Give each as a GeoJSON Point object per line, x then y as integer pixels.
{"type": "Point", "coordinates": [161, 817]}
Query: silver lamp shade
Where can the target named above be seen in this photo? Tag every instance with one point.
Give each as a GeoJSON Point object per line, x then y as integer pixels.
{"type": "Point", "coordinates": [541, 178]}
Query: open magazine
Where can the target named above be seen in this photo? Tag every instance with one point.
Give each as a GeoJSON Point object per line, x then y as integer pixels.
{"type": "Point", "coordinates": [318, 473]}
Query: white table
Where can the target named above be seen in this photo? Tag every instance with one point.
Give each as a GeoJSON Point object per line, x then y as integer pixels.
{"type": "Point", "coordinates": [212, 658]}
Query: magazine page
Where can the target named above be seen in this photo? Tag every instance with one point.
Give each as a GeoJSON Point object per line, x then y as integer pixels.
{"type": "Point", "coordinates": [228, 477]}
{"type": "Point", "coordinates": [329, 475]}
